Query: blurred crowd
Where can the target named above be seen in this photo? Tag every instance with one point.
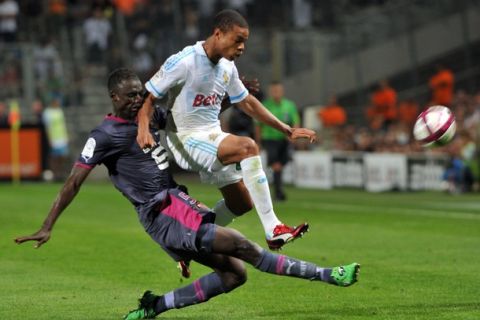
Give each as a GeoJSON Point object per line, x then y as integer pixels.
{"type": "Point", "coordinates": [390, 127]}
{"type": "Point", "coordinates": [155, 29]}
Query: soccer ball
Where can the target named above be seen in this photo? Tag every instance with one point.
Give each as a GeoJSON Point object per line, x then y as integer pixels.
{"type": "Point", "coordinates": [435, 126]}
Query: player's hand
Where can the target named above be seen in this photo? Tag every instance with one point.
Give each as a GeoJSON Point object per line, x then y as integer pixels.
{"type": "Point", "coordinates": [298, 133]}
{"type": "Point", "coordinates": [41, 236]}
{"type": "Point", "coordinates": [145, 139]}
{"type": "Point", "coordinates": [253, 86]}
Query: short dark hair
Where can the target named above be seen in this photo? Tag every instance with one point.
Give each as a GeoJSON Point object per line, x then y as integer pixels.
{"type": "Point", "coordinates": [227, 19]}
{"type": "Point", "coordinates": [119, 75]}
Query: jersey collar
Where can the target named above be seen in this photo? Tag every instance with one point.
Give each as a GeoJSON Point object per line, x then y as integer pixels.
{"type": "Point", "coordinates": [199, 48]}
{"type": "Point", "coordinates": [115, 118]}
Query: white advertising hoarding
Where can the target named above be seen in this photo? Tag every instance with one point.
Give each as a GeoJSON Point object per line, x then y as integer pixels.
{"type": "Point", "coordinates": [313, 169]}
{"type": "Point", "coordinates": [385, 171]}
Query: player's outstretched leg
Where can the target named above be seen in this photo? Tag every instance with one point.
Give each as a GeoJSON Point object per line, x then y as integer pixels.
{"type": "Point", "coordinates": [231, 242]}
{"type": "Point", "coordinates": [229, 274]}
{"type": "Point", "coordinates": [343, 276]}
{"type": "Point", "coordinates": [201, 290]}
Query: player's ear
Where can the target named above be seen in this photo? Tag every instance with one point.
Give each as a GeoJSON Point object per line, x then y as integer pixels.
{"type": "Point", "coordinates": [217, 32]}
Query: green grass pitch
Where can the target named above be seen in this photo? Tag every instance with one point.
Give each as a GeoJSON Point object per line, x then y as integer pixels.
{"type": "Point", "coordinates": [420, 256]}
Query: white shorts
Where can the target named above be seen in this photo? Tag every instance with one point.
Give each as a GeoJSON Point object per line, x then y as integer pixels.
{"type": "Point", "coordinates": [197, 151]}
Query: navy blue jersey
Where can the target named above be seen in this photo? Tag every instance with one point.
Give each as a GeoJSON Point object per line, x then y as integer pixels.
{"type": "Point", "coordinates": [138, 174]}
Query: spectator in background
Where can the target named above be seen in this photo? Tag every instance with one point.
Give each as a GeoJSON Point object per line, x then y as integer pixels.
{"type": "Point", "coordinates": [97, 30]}
{"type": "Point", "coordinates": [126, 7]}
{"type": "Point", "coordinates": [57, 14]}
{"type": "Point", "coordinates": [383, 109]}
{"type": "Point", "coordinates": [408, 112]}
{"type": "Point", "coordinates": [10, 78]}
{"type": "Point", "coordinates": [3, 115]}
{"type": "Point", "coordinates": [458, 175]}
{"type": "Point", "coordinates": [55, 126]}
{"type": "Point", "coordinates": [143, 64]}
{"type": "Point", "coordinates": [206, 10]}
{"type": "Point", "coordinates": [46, 60]}
{"type": "Point", "coordinates": [33, 11]}
{"type": "Point", "coordinates": [302, 14]}
{"type": "Point", "coordinates": [191, 30]}
{"type": "Point", "coordinates": [332, 115]}
{"type": "Point", "coordinates": [441, 84]}
{"type": "Point", "coordinates": [37, 110]}
{"type": "Point", "coordinates": [274, 142]}
{"type": "Point", "coordinates": [9, 11]}
{"type": "Point", "coordinates": [472, 121]}
{"type": "Point", "coordinates": [469, 155]}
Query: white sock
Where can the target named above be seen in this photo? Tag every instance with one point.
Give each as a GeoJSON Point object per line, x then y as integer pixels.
{"type": "Point", "coordinates": [223, 215]}
{"type": "Point", "coordinates": [257, 185]}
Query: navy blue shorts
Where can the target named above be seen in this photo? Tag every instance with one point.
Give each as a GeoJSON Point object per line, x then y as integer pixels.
{"type": "Point", "coordinates": [180, 226]}
{"type": "Point", "coordinates": [277, 151]}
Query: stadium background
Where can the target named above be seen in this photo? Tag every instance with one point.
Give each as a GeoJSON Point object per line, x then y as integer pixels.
{"type": "Point", "coordinates": [419, 250]}
{"type": "Point", "coordinates": [317, 49]}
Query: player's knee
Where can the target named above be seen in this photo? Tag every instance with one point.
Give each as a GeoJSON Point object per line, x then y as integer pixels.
{"type": "Point", "coordinates": [242, 208]}
{"type": "Point", "coordinates": [246, 250]}
{"type": "Point", "coordinates": [235, 278]}
{"type": "Point", "coordinates": [248, 147]}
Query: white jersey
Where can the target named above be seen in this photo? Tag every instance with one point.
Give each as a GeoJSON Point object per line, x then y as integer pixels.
{"type": "Point", "coordinates": [203, 87]}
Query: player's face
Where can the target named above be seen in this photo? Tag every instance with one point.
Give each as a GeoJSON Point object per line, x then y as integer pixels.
{"type": "Point", "coordinates": [231, 44]}
{"type": "Point", "coordinates": [276, 92]}
{"type": "Point", "coordinates": [128, 98]}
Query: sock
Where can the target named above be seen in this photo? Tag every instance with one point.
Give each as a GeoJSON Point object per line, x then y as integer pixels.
{"type": "Point", "coordinates": [223, 215]}
{"type": "Point", "coordinates": [198, 291]}
{"type": "Point", "coordinates": [257, 185]}
{"type": "Point", "coordinates": [277, 182]}
{"type": "Point", "coordinates": [283, 265]}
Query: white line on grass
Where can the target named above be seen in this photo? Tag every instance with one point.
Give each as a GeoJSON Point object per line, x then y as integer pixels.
{"type": "Point", "coordinates": [389, 210]}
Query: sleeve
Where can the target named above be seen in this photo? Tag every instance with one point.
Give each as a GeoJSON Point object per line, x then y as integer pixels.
{"type": "Point", "coordinates": [295, 116]}
{"type": "Point", "coordinates": [171, 73]}
{"type": "Point", "coordinates": [236, 90]}
{"type": "Point", "coordinates": [95, 150]}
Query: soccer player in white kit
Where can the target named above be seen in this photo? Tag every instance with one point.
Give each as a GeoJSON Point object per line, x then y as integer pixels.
{"type": "Point", "coordinates": [198, 78]}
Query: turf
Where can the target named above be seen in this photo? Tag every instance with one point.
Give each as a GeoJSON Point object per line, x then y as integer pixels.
{"type": "Point", "coordinates": [420, 256]}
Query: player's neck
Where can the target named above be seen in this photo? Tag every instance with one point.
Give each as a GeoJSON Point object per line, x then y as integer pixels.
{"type": "Point", "coordinates": [208, 47]}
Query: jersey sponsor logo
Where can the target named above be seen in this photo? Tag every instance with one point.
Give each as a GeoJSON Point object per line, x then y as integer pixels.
{"type": "Point", "coordinates": [205, 101]}
{"type": "Point", "coordinates": [89, 149]}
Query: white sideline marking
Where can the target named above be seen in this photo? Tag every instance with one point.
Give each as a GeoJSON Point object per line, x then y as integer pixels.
{"type": "Point", "coordinates": [389, 210]}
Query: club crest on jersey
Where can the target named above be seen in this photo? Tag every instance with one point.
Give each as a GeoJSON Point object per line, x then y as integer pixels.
{"type": "Point", "coordinates": [205, 101]}
{"type": "Point", "coordinates": [225, 77]}
{"type": "Point", "coordinates": [88, 150]}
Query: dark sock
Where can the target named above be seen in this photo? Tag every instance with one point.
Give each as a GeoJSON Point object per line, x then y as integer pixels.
{"type": "Point", "coordinates": [283, 265]}
{"type": "Point", "coordinates": [277, 182]}
{"type": "Point", "coordinates": [198, 291]}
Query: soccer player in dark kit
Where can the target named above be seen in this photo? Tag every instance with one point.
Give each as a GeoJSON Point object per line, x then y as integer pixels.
{"type": "Point", "coordinates": [181, 225]}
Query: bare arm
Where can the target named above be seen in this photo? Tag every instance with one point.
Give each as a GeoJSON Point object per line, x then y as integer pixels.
{"type": "Point", "coordinates": [144, 137]}
{"type": "Point", "coordinates": [64, 198]}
